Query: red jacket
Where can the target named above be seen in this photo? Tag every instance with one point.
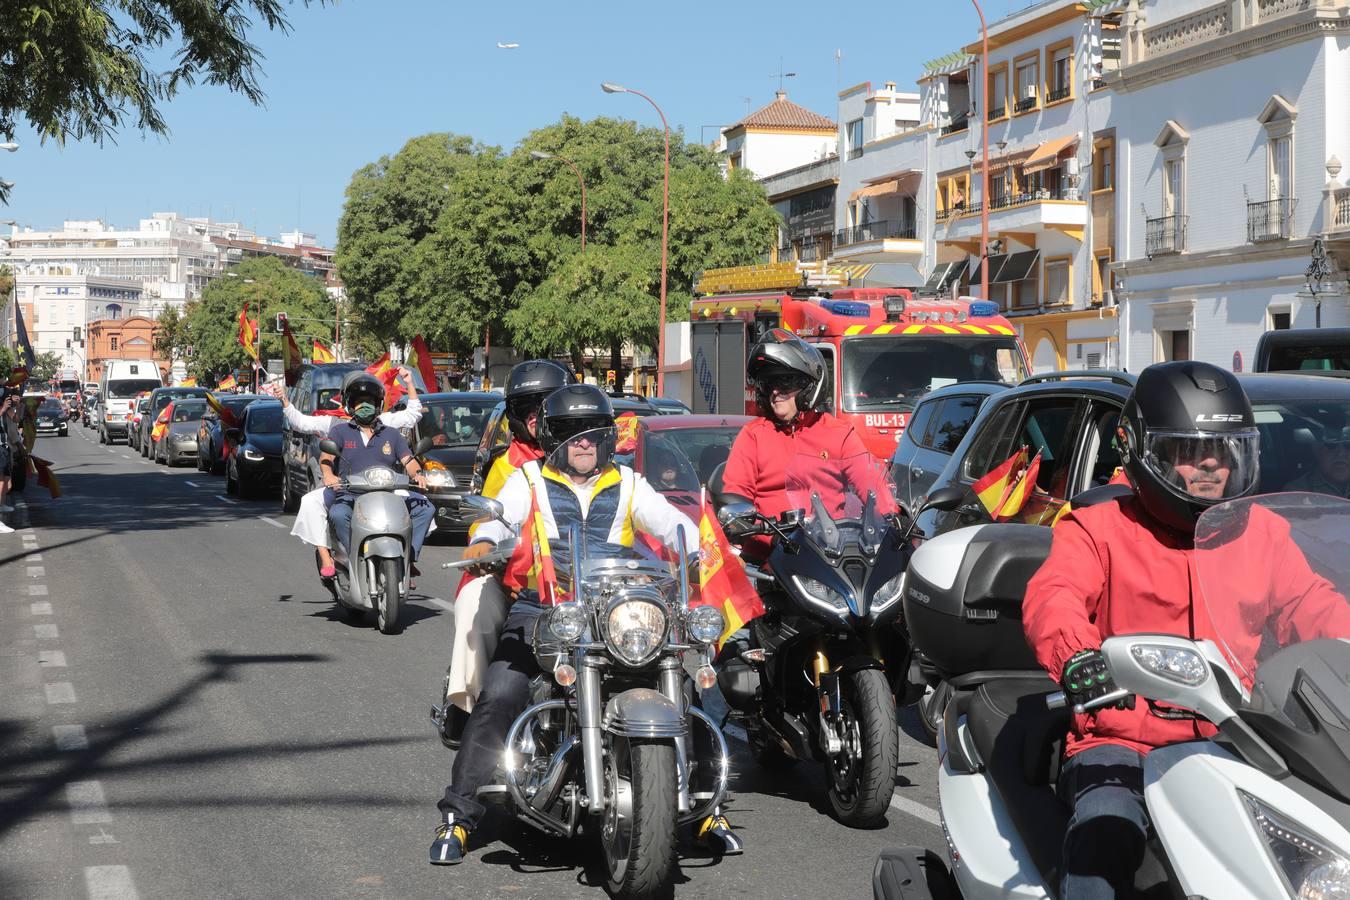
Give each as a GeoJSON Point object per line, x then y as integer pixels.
{"type": "Point", "coordinates": [1113, 570]}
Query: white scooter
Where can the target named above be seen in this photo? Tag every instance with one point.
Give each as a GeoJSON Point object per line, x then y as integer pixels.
{"type": "Point", "coordinates": [1262, 810]}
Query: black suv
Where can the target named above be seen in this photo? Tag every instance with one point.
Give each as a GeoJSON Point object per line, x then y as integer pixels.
{"type": "Point", "coordinates": [160, 398]}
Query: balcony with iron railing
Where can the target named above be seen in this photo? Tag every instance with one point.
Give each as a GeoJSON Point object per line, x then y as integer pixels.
{"type": "Point", "coordinates": [956, 125]}
{"type": "Point", "coordinates": [855, 153]}
{"type": "Point", "coordinates": [1056, 94]}
{"type": "Point", "coordinates": [1025, 104]}
{"type": "Point", "coordinates": [880, 241]}
{"type": "Point", "coordinates": [1270, 220]}
{"type": "Point", "coordinates": [997, 112]}
{"type": "Point", "coordinates": [1165, 234]}
{"type": "Point", "coordinates": [1055, 208]}
{"type": "Point", "coordinates": [875, 231]}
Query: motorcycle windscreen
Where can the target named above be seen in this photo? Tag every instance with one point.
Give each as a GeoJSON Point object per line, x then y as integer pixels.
{"type": "Point", "coordinates": [1272, 573]}
{"type": "Point", "coordinates": [857, 490]}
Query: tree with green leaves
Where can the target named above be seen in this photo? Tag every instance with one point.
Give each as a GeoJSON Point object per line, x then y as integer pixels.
{"type": "Point", "coordinates": [172, 337]}
{"type": "Point", "coordinates": [269, 287]}
{"type": "Point", "coordinates": [45, 367]}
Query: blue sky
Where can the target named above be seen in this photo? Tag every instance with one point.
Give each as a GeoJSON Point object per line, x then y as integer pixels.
{"type": "Point", "coordinates": [356, 80]}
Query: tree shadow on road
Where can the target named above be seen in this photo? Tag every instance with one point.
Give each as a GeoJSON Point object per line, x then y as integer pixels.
{"type": "Point", "coordinates": [25, 795]}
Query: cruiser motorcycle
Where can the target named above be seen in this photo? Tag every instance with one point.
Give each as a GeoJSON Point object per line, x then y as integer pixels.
{"type": "Point", "coordinates": [612, 745]}
{"type": "Point", "coordinates": [1259, 810]}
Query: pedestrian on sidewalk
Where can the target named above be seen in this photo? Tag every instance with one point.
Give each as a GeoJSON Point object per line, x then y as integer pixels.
{"type": "Point", "coordinates": [9, 438]}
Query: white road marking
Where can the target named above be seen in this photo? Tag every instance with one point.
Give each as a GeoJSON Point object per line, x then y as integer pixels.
{"type": "Point", "coordinates": [35, 571]}
{"type": "Point", "coordinates": [34, 557]}
{"type": "Point", "coordinates": [111, 450]}
{"type": "Point", "coordinates": [126, 456]}
{"type": "Point", "coordinates": [42, 608]}
{"type": "Point", "coordinates": [271, 521]}
{"type": "Point", "coordinates": [87, 804]}
{"type": "Point", "coordinates": [37, 590]}
{"type": "Point", "coordinates": [52, 659]}
{"type": "Point", "coordinates": [917, 810]}
{"type": "Point", "coordinates": [110, 883]}
{"type": "Point", "coordinates": [191, 483]}
{"type": "Point", "coordinates": [70, 737]}
{"type": "Point", "coordinates": [45, 632]}
{"type": "Point", "coordinates": [60, 692]}
{"type": "Point", "coordinates": [226, 499]}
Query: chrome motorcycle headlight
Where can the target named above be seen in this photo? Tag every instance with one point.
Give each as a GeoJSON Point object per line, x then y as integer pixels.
{"type": "Point", "coordinates": [821, 594]}
{"type": "Point", "coordinates": [1312, 870]}
{"type": "Point", "coordinates": [567, 621]}
{"type": "Point", "coordinates": [705, 624]}
{"type": "Point", "coordinates": [378, 476]}
{"type": "Point", "coordinates": [635, 629]}
{"type": "Point", "coordinates": [888, 593]}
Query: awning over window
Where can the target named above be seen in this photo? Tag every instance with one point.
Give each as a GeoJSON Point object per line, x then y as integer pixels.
{"type": "Point", "coordinates": [1018, 267]}
{"type": "Point", "coordinates": [906, 183]}
{"type": "Point", "coordinates": [1046, 156]}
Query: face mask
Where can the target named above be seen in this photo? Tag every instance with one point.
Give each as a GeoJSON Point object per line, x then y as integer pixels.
{"type": "Point", "coordinates": [365, 413]}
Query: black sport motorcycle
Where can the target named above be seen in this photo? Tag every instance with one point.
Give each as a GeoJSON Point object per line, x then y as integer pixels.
{"type": "Point", "coordinates": [816, 677]}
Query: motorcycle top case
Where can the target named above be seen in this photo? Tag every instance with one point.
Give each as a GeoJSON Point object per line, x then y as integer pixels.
{"type": "Point", "coordinates": [963, 597]}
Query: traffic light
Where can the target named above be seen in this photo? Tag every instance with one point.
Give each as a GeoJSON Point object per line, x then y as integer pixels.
{"type": "Point", "coordinates": [281, 322]}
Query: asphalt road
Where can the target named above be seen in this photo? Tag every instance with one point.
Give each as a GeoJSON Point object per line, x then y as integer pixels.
{"type": "Point", "coordinates": [184, 714]}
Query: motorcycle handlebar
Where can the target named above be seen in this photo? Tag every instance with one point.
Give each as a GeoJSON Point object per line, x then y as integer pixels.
{"type": "Point", "coordinates": [1059, 700]}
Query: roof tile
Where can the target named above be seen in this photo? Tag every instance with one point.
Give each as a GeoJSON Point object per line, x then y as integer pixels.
{"type": "Point", "coordinates": [783, 113]}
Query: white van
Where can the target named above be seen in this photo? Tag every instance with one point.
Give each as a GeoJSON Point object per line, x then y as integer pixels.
{"type": "Point", "coordinates": [122, 380]}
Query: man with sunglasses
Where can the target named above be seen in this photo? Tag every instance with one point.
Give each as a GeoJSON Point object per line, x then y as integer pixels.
{"type": "Point", "coordinates": [788, 378]}
{"type": "Point", "coordinates": [1332, 455]}
{"type": "Point", "coordinates": [576, 483]}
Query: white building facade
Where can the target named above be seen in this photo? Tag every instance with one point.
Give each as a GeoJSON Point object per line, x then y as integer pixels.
{"type": "Point", "coordinates": [58, 309]}
{"type": "Point", "coordinates": [1231, 125]}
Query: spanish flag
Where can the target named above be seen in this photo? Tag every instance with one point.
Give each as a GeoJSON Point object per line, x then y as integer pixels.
{"type": "Point", "coordinates": [993, 489]}
{"type": "Point", "coordinates": [248, 333]}
{"type": "Point", "coordinates": [321, 353]}
{"type": "Point", "coordinates": [626, 430]}
{"type": "Point", "coordinates": [531, 564]}
{"type": "Point", "coordinates": [188, 382]}
{"type": "Point", "coordinates": [45, 476]}
{"type": "Point", "coordinates": [227, 383]}
{"type": "Point", "coordinates": [419, 358]}
{"type": "Point", "coordinates": [1021, 490]}
{"type": "Point", "coordinates": [290, 351]}
{"type": "Point", "coordinates": [387, 373]}
{"type": "Point", "coordinates": [161, 423]}
{"type": "Point", "coordinates": [721, 577]}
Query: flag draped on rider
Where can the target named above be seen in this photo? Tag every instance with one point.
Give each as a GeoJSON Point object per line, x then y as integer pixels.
{"type": "Point", "coordinates": [531, 563]}
{"type": "Point", "coordinates": [721, 577]}
{"type": "Point", "coordinates": [321, 353]}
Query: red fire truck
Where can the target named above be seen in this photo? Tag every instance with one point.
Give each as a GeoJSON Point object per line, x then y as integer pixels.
{"type": "Point", "coordinates": [884, 347]}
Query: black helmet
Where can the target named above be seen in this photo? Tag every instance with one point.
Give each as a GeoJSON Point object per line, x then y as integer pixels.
{"type": "Point", "coordinates": [359, 386]}
{"type": "Point", "coordinates": [782, 356]}
{"type": "Point", "coordinates": [1182, 414]}
{"type": "Point", "coordinates": [574, 412]}
{"type": "Point", "coordinates": [526, 387]}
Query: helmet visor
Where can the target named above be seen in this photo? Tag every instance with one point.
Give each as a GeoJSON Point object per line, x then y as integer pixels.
{"type": "Point", "coordinates": [1205, 467]}
{"type": "Point", "coordinates": [584, 451]}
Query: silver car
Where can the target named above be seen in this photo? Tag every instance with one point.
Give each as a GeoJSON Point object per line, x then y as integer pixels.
{"type": "Point", "coordinates": [178, 443]}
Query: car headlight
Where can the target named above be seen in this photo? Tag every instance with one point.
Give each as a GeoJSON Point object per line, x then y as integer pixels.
{"type": "Point", "coordinates": [705, 624]}
{"type": "Point", "coordinates": [635, 629]}
{"type": "Point", "coordinates": [888, 593]}
{"type": "Point", "coordinates": [821, 593]}
{"type": "Point", "coordinates": [254, 455]}
{"type": "Point", "coordinates": [567, 621]}
{"type": "Point", "coordinates": [1312, 870]}
{"type": "Point", "coordinates": [379, 476]}
{"type": "Point", "coordinates": [439, 478]}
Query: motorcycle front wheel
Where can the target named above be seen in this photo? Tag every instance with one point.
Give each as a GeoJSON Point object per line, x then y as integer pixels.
{"type": "Point", "coordinates": [861, 776]}
{"type": "Point", "coordinates": [638, 834]}
{"type": "Point", "coordinates": [390, 580]}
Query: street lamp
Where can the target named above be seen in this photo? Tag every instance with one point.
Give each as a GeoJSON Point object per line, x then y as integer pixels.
{"type": "Point", "coordinates": [984, 146]}
{"type": "Point", "coordinates": [540, 154]}
{"type": "Point", "coordinates": [610, 87]}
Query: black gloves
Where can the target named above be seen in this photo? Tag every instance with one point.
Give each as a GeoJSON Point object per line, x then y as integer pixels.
{"type": "Point", "coordinates": [1086, 679]}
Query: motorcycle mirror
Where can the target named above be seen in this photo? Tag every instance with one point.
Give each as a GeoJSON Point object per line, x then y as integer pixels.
{"type": "Point", "coordinates": [487, 508]}
{"type": "Point", "coordinates": [790, 518]}
{"type": "Point", "coordinates": [735, 510]}
{"type": "Point", "coordinates": [330, 447]}
{"type": "Point", "coordinates": [945, 499]}
{"type": "Point", "coordinates": [424, 445]}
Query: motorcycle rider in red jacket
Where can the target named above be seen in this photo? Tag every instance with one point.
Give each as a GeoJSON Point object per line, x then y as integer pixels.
{"type": "Point", "coordinates": [788, 378]}
{"type": "Point", "coordinates": [1189, 441]}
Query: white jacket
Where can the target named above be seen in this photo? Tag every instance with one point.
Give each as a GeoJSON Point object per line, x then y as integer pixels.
{"type": "Point", "coordinates": [405, 418]}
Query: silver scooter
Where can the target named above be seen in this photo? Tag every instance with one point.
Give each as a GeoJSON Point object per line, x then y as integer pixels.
{"type": "Point", "coordinates": [376, 577]}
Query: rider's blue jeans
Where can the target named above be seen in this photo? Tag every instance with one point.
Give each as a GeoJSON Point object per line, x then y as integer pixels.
{"type": "Point", "coordinates": [1104, 845]}
{"type": "Point", "coordinates": [421, 512]}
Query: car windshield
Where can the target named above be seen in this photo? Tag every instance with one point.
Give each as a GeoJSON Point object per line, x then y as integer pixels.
{"type": "Point", "coordinates": [684, 458]}
{"type": "Point", "coordinates": [51, 406]}
{"type": "Point", "coordinates": [142, 404]}
{"type": "Point", "coordinates": [188, 411]}
{"type": "Point", "coordinates": [127, 388]}
{"type": "Point", "coordinates": [265, 420]}
{"type": "Point", "coordinates": [893, 373]}
{"type": "Point", "coordinates": [1309, 358]}
{"type": "Point", "coordinates": [455, 423]}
